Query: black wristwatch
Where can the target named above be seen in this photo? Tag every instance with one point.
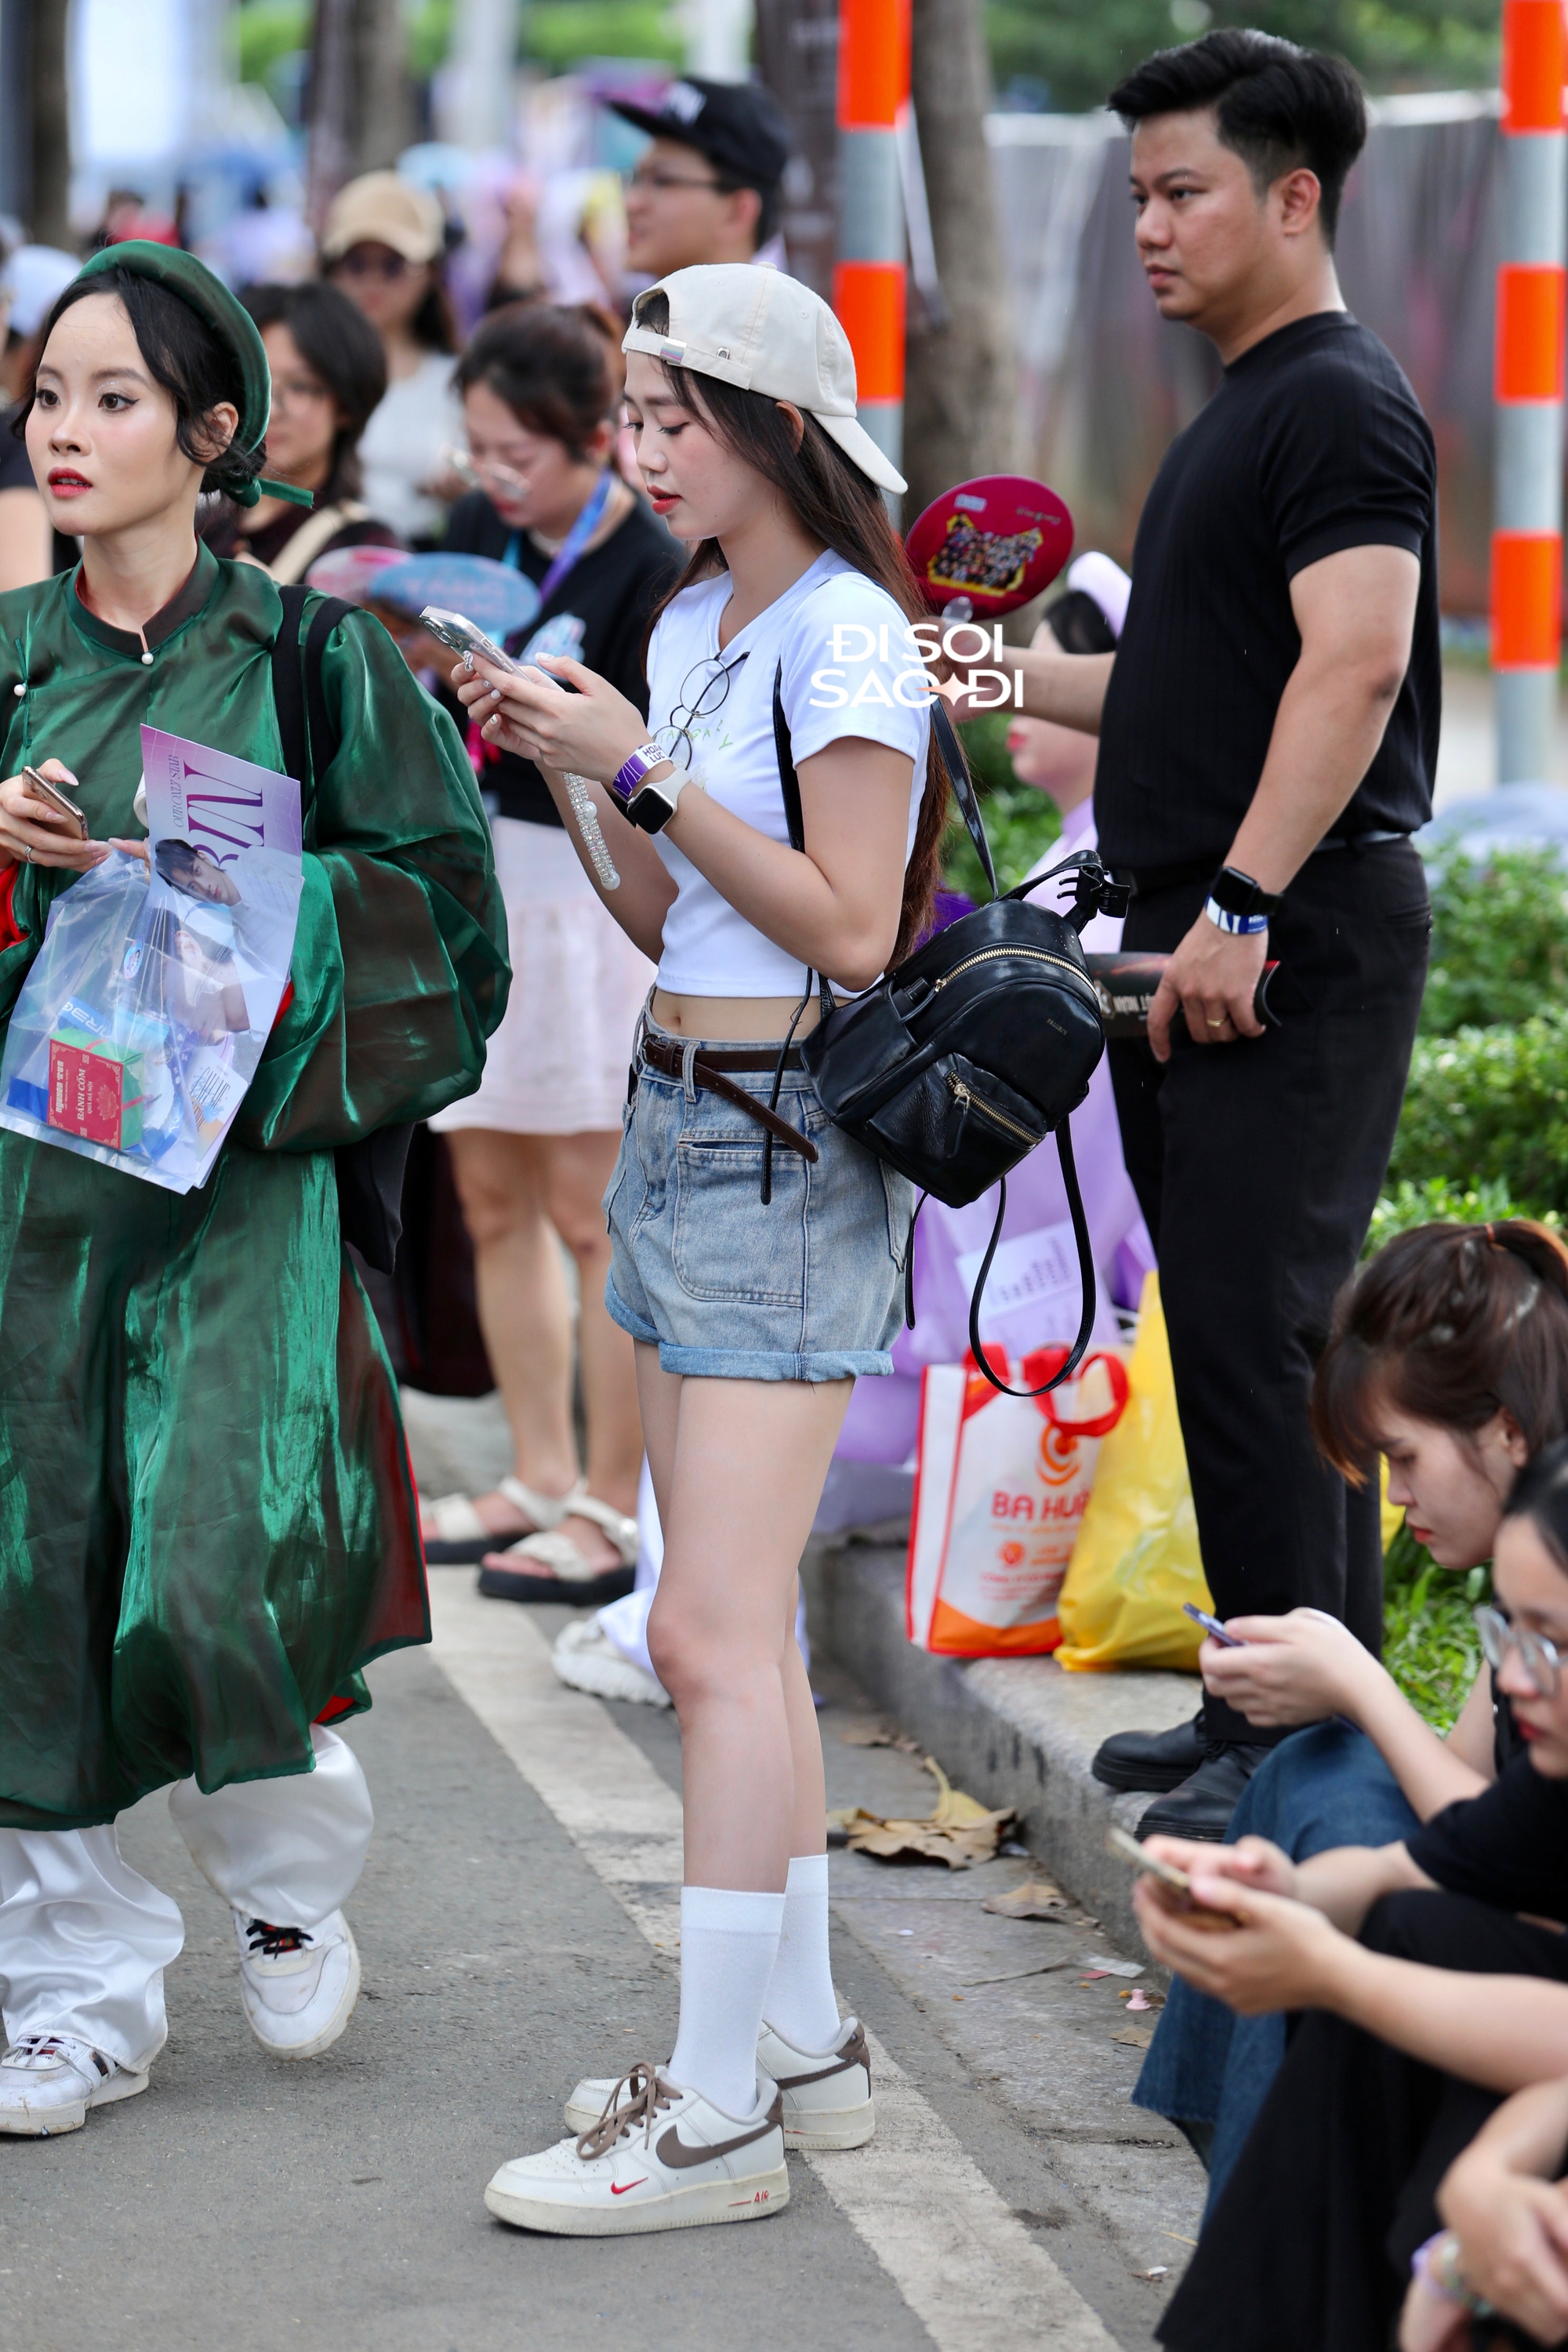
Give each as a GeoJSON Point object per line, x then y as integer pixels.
{"type": "Point", "coordinates": [1238, 894]}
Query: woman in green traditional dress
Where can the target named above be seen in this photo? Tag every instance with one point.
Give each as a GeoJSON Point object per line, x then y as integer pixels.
{"type": "Point", "coordinates": [206, 1523]}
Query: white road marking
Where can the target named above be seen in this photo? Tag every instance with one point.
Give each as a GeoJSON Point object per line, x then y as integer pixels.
{"type": "Point", "coordinates": [963, 2261]}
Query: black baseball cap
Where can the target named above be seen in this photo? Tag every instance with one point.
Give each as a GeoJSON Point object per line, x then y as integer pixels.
{"type": "Point", "coordinates": [734, 123]}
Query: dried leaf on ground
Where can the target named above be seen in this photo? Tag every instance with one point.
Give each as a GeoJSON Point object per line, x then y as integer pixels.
{"type": "Point", "coordinates": [1037, 1898]}
{"type": "Point", "coordinates": [959, 1832]}
{"type": "Point", "coordinates": [866, 1734]}
{"type": "Point", "coordinates": [1137, 2037]}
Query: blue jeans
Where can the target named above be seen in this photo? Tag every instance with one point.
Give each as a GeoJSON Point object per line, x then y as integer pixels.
{"type": "Point", "coordinates": [1327, 1786]}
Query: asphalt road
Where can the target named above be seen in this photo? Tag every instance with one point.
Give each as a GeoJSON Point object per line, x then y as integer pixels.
{"type": "Point", "coordinates": [516, 1924]}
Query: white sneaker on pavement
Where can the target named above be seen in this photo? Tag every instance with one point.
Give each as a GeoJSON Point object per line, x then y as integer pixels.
{"type": "Point", "coordinates": [299, 1984]}
{"type": "Point", "coordinates": [49, 2081]}
{"type": "Point", "coordinates": [658, 2158]}
{"type": "Point", "coordinates": [827, 2094]}
{"type": "Point", "coordinates": [585, 1657]}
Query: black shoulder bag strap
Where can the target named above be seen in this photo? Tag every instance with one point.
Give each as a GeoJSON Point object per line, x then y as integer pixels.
{"type": "Point", "coordinates": [369, 1172]}
{"type": "Point", "coordinates": [963, 793]}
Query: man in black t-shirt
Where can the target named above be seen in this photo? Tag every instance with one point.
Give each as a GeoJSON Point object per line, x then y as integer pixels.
{"type": "Point", "coordinates": [1268, 736]}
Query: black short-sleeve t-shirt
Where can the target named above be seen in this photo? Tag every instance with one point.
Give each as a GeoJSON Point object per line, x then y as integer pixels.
{"type": "Point", "coordinates": [1508, 1847]}
{"type": "Point", "coordinates": [598, 615]}
{"type": "Point", "coordinates": [1313, 444]}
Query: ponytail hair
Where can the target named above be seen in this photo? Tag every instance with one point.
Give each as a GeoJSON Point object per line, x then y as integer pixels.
{"type": "Point", "coordinates": [836, 505]}
{"type": "Point", "coordinates": [1450, 1324]}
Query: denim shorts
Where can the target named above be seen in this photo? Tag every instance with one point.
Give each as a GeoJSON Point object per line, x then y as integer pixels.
{"type": "Point", "coordinates": [809, 1287]}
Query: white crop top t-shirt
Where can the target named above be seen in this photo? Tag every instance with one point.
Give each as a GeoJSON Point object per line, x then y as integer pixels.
{"type": "Point", "coordinates": [849, 668]}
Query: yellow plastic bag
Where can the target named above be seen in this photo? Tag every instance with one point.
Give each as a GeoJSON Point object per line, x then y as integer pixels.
{"type": "Point", "coordinates": [1136, 1560]}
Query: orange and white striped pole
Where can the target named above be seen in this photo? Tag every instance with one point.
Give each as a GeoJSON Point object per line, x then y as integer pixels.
{"type": "Point", "coordinates": [1527, 537]}
{"type": "Point", "coordinates": [869, 282]}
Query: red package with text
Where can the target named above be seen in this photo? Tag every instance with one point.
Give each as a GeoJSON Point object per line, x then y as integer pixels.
{"type": "Point", "coordinates": [1001, 1489]}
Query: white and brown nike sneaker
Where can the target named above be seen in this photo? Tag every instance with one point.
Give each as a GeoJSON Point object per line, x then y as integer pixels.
{"type": "Point", "coordinates": [658, 2158]}
{"type": "Point", "coordinates": [827, 2094]}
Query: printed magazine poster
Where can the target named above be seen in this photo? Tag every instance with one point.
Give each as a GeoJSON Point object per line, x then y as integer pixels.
{"type": "Point", "coordinates": [143, 1019]}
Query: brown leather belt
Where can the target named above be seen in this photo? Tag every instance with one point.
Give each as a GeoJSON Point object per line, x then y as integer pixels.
{"type": "Point", "coordinates": [668, 1055]}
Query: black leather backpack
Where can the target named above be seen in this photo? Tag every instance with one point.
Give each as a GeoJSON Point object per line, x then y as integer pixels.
{"type": "Point", "coordinates": [978, 1045]}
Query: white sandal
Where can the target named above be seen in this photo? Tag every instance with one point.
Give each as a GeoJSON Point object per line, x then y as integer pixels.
{"type": "Point", "coordinates": [461, 1537]}
{"type": "Point", "coordinates": [572, 1579]}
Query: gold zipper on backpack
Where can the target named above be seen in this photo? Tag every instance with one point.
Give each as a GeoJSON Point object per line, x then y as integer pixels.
{"type": "Point", "coordinates": [987, 955]}
{"type": "Point", "coordinates": [967, 1096]}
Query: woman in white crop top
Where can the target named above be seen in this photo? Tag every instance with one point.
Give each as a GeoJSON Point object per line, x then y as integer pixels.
{"type": "Point", "coordinates": [755, 1306]}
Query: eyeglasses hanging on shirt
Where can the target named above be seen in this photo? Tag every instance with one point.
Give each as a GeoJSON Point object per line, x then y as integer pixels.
{"type": "Point", "coordinates": [675, 732]}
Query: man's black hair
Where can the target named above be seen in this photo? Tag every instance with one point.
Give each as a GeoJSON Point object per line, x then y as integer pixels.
{"type": "Point", "coordinates": [1276, 106]}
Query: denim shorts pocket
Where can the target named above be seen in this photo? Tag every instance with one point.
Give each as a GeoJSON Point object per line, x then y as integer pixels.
{"type": "Point", "coordinates": [725, 1243]}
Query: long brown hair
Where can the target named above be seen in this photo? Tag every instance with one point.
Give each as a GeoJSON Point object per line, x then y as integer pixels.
{"type": "Point", "coordinates": [835, 504]}
{"type": "Point", "coordinates": [1451, 1324]}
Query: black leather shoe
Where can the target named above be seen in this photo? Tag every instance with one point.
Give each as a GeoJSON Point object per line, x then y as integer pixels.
{"type": "Point", "coordinates": [1202, 1806]}
{"type": "Point", "coordinates": [1151, 1760]}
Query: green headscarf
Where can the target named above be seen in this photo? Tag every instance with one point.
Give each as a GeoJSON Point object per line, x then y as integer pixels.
{"type": "Point", "coordinates": [231, 322]}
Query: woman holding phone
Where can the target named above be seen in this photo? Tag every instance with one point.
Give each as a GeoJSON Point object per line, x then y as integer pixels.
{"type": "Point", "coordinates": [753, 1316]}
{"type": "Point", "coordinates": [1449, 1356]}
{"type": "Point", "coordinates": [207, 1523]}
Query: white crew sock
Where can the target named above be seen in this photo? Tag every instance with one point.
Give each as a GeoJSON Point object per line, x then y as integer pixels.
{"type": "Point", "coordinates": [800, 2003]}
{"type": "Point", "coordinates": [727, 1946]}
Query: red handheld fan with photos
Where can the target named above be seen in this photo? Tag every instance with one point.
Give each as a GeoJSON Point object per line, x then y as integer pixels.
{"type": "Point", "coordinates": [987, 546]}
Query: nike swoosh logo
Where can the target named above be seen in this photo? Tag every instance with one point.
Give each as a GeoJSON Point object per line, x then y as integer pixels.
{"type": "Point", "coordinates": [673, 2150]}
{"type": "Point", "coordinates": [619, 2187]}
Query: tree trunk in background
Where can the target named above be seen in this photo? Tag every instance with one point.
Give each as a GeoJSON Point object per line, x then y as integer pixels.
{"type": "Point", "coordinates": [797, 62]}
{"type": "Point", "coordinates": [961, 400]}
{"type": "Point", "coordinates": [361, 105]}
{"type": "Point", "coordinates": [49, 212]}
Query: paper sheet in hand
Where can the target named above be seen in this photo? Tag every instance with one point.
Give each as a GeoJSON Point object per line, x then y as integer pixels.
{"type": "Point", "coordinates": [146, 1014]}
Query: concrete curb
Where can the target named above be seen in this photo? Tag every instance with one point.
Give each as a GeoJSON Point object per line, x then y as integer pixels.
{"type": "Point", "coordinates": [1011, 1731]}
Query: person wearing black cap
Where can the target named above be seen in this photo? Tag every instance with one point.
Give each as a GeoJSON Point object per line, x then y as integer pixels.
{"type": "Point", "coordinates": [707, 187]}
{"type": "Point", "coordinates": [208, 1528]}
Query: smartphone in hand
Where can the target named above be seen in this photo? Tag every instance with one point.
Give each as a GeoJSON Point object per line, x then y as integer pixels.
{"type": "Point", "coordinates": [60, 801]}
{"type": "Point", "coordinates": [1212, 1626]}
{"type": "Point", "coordinates": [1128, 1849]}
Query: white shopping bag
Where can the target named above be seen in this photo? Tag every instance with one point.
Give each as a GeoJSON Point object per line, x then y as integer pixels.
{"type": "Point", "coordinates": [1001, 1489]}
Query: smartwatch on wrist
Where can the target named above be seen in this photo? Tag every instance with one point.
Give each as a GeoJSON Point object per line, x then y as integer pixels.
{"type": "Point", "coordinates": [651, 809]}
{"type": "Point", "coordinates": [1237, 904]}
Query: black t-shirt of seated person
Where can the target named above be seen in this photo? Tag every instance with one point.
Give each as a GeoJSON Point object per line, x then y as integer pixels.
{"type": "Point", "coordinates": [598, 615]}
{"type": "Point", "coordinates": [1508, 1847]}
{"type": "Point", "coordinates": [1314, 444]}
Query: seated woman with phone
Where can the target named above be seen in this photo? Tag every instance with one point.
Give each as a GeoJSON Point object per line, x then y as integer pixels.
{"type": "Point", "coordinates": [1449, 1356]}
{"type": "Point", "coordinates": [1401, 2055]}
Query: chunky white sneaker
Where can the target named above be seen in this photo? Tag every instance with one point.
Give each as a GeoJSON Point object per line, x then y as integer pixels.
{"type": "Point", "coordinates": [49, 2081]}
{"type": "Point", "coordinates": [299, 1984]}
{"type": "Point", "coordinates": [827, 2094]}
{"type": "Point", "coordinates": [658, 2158]}
{"type": "Point", "coordinates": [585, 1657]}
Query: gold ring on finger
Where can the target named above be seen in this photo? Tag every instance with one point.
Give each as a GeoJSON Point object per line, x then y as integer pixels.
{"type": "Point", "coordinates": [1212, 1023]}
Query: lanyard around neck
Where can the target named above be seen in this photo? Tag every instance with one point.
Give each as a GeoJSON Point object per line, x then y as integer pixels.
{"type": "Point", "coordinates": [572, 546]}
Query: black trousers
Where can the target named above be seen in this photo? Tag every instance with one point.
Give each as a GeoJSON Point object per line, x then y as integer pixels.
{"type": "Point", "coordinates": [1309, 2247]}
{"type": "Point", "coordinates": [1256, 1165]}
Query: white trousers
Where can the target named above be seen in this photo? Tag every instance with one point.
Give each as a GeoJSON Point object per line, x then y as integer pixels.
{"type": "Point", "coordinates": [84, 1939]}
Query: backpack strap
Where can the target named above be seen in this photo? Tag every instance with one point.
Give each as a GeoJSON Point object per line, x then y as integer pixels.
{"type": "Point", "coordinates": [1085, 1271]}
{"type": "Point", "coordinates": [310, 738]}
{"type": "Point", "coordinates": [369, 1172]}
{"type": "Point", "coordinates": [954, 759]}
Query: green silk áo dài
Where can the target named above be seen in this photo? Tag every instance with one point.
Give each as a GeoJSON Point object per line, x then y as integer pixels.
{"type": "Point", "coordinates": [207, 1526]}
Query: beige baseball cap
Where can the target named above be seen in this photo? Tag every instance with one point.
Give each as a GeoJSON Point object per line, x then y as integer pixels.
{"type": "Point", "coordinates": [768, 333]}
{"type": "Point", "coordinates": [382, 209]}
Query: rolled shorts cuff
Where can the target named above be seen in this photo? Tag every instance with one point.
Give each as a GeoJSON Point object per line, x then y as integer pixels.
{"type": "Point", "coordinates": [764, 1364]}
{"type": "Point", "coordinates": [746, 1363]}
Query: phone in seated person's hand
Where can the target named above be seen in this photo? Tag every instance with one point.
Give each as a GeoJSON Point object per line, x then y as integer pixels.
{"type": "Point", "coordinates": [1177, 1885]}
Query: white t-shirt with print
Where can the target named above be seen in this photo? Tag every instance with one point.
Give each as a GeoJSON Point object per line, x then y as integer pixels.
{"type": "Point", "coordinates": [849, 668]}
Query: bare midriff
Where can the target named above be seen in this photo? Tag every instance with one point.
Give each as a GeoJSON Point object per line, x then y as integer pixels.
{"type": "Point", "coordinates": [732, 1016]}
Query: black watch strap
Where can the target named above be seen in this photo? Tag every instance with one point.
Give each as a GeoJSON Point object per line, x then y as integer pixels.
{"type": "Point", "coordinates": [1238, 894]}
